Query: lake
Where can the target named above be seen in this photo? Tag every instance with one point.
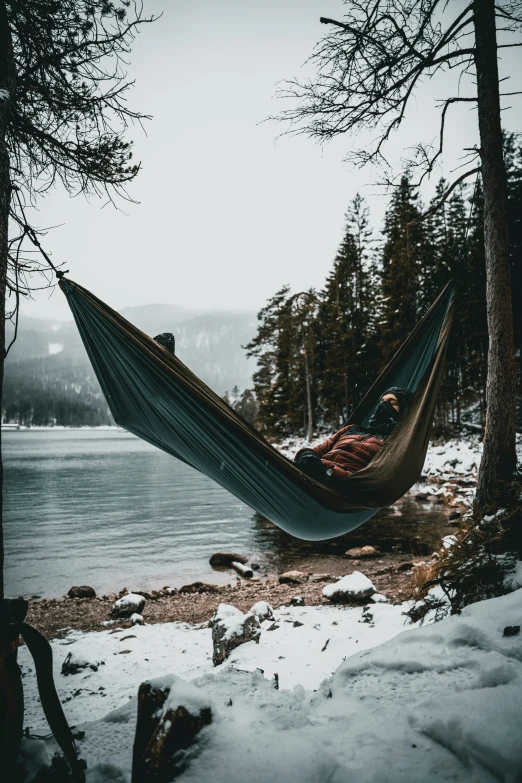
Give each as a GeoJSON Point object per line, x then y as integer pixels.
{"type": "Point", "coordinates": [103, 508]}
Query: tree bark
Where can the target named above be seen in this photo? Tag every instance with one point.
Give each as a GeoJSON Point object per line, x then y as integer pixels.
{"type": "Point", "coordinates": [7, 94]}
{"type": "Point", "coordinates": [499, 457]}
{"type": "Point", "coordinates": [309, 428]}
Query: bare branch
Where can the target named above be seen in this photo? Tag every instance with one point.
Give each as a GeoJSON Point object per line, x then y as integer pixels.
{"type": "Point", "coordinates": [447, 193]}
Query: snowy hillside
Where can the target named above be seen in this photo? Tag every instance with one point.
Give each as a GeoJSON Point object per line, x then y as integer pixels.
{"type": "Point", "coordinates": [48, 360]}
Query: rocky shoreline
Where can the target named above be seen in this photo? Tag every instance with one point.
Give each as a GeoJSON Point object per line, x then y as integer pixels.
{"type": "Point", "coordinates": [448, 485]}
{"type": "Point", "coordinates": [390, 573]}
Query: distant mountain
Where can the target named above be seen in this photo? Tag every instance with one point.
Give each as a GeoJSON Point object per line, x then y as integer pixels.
{"type": "Point", "coordinates": [47, 367]}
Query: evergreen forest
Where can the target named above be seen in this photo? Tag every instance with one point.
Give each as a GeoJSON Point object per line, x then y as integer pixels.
{"type": "Point", "coordinates": [319, 351]}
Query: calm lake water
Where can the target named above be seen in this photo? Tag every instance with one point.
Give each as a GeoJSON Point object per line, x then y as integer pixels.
{"type": "Point", "coordinates": [105, 509]}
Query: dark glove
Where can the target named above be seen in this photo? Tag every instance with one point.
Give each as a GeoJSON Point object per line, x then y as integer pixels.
{"type": "Point", "coordinates": [308, 462]}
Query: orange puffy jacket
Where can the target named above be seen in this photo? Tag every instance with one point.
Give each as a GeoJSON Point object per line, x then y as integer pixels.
{"type": "Point", "coordinates": [345, 454]}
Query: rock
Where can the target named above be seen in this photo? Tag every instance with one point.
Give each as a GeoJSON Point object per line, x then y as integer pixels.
{"type": "Point", "coordinates": [82, 591]}
{"type": "Point", "coordinates": [511, 630]}
{"type": "Point", "coordinates": [297, 600]}
{"type": "Point", "coordinates": [320, 577]}
{"type": "Point", "coordinates": [199, 587]}
{"type": "Point", "coordinates": [137, 619]}
{"type": "Point", "coordinates": [354, 588]}
{"type": "Point", "coordinates": [292, 578]}
{"type": "Point", "coordinates": [362, 551]}
{"type": "Point", "coordinates": [273, 627]}
{"type": "Point", "coordinates": [171, 713]}
{"type": "Point", "coordinates": [297, 624]}
{"type": "Point", "coordinates": [263, 610]}
{"type": "Point", "coordinates": [379, 598]}
{"type": "Point", "coordinates": [424, 494]}
{"type": "Point", "coordinates": [225, 559]}
{"type": "Point", "coordinates": [131, 603]}
{"type": "Point", "coordinates": [404, 566]}
{"type": "Point", "coordinates": [231, 629]}
{"type": "Point", "coordinates": [78, 661]}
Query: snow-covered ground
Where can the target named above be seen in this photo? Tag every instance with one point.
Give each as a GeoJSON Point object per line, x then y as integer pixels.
{"type": "Point", "coordinates": [360, 697]}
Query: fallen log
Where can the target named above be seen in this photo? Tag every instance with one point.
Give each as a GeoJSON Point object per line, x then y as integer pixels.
{"type": "Point", "coordinates": [242, 570]}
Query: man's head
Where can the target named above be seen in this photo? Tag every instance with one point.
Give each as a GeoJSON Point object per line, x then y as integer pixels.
{"type": "Point", "coordinates": [386, 414]}
{"type": "Point", "coordinates": [397, 397]}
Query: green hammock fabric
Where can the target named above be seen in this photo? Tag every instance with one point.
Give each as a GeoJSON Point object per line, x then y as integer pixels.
{"type": "Point", "coordinates": [156, 397]}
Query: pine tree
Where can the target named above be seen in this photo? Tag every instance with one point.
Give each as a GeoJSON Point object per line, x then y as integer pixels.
{"type": "Point", "coordinates": [346, 315]}
{"type": "Point", "coordinates": [401, 268]}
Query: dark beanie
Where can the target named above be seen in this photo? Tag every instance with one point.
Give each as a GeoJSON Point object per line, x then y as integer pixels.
{"type": "Point", "coordinates": [403, 395]}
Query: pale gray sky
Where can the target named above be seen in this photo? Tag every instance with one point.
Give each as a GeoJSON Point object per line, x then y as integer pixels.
{"type": "Point", "coordinates": [227, 212]}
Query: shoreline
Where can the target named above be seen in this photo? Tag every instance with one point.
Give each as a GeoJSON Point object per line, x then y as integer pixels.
{"type": "Point", "coordinates": [390, 573]}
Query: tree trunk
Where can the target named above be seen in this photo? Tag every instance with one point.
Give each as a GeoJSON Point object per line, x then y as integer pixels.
{"type": "Point", "coordinates": [310, 424]}
{"type": "Point", "coordinates": [7, 92]}
{"type": "Point", "coordinates": [499, 457]}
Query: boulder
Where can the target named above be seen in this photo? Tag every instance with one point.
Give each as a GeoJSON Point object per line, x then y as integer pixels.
{"type": "Point", "coordinates": [131, 603]}
{"type": "Point", "coordinates": [292, 578]}
{"type": "Point", "coordinates": [263, 611]}
{"type": "Point", "coordinates": [77, 661]}
{"type": "Point", "coordinates": [171, 713]}
{"type": "Point", "coordinates": [362, 551]}
{"type": "Point", "coordinates": [225, 559]}
{"type": "Point", "coordinates": [355, 588]}
{"type": "Point", "coordinates": [297, 600]}
{"type": "Point", "coordinates": [82, 591]}
{"type": "Point", "coordinates": [230, 629]}
{"type": "Point", "coordinates": [200, 587]}
{"type": "Point", "coordinates": [137, 619]}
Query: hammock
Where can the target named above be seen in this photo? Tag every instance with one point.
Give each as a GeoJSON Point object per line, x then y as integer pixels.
{"type": "Point", "coordinates": [153, 395]}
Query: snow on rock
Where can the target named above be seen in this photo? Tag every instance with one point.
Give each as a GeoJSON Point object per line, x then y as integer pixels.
{"type": "Point", "coordinates": [379, 598]}
{"type": "Point", "coordinates": [224, 612]}
{"type": "Point", "coordinates": [230, 629]}
{"type": "Point", "coordinates": [132, 603]}
{"type": "Point", "coordinates": [181, 694]}
{"type": "Point", "coordinates": [137, 619]}
{"type": "Point", "coordinates": [513, 580]}
{"type": "Point", "coordinates": [263, 610]}
{"type": "Point", "coordinates": [78, 660]}
{"type": "Point", "coordinates": [439, 703]}
{"type": "Point", "coordinates": [354, 587]}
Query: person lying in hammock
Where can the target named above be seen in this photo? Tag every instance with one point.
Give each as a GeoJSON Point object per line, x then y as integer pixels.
{"type": "Point", "coordinates": [354, 446]}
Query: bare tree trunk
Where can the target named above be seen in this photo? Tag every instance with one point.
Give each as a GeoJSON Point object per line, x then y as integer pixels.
{"type": "Point", "coordinates": [7, 91]}
{"type": "Point", "coordinates": [309, 429]}
{"type": "Point", "coordinates": [499, 457]}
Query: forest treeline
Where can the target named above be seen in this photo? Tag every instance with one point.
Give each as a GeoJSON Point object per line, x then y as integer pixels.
{"type": "Point", "coordinates": [53, 391]}
{"type": "Point", "coordinates": [319, 351]}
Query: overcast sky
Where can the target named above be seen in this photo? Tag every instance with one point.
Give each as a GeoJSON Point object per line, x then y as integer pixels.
{"type": "Point", "coordinates": [227, 212]}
